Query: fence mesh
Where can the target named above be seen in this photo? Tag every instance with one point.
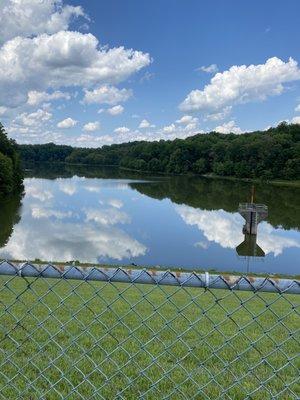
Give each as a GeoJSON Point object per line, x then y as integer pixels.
{"type": "Point", "coordinates": [65, 338]}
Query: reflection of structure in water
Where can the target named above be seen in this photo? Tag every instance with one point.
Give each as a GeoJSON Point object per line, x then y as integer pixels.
{"type": "Point", "coordinates": [249, 248]}
{"type": "Point", "coordinates": [253, 215]}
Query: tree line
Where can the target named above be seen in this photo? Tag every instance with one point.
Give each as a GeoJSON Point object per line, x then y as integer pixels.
{"type": "Point", "coordinates": [11, 176]}
{"type": "Point", "coordinates": [271, 154]}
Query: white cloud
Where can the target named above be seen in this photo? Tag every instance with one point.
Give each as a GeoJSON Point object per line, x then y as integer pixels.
{"type": "Point", "coordinates": [190, 127]}
{"type": "Point", "coordinates": [242, 84]}
{"type": "Point", "coordinates": [107, 216]}
{"type": "Point", "coordinates": [218, 115]}
{"type": "Point", "coordinates": [127, 135]}
{"type": "Point", "coordinates": [187, 119]}
{"type": "Point", "coordinates": [35, 97]}
{"type": "Point", "coordinates": [67, 240]}
{"type": "Point", "coordinates": [146, 124]}
{"type": "Point", "coordinates": [32, 17]}
{"type": "Point", "coordinates": [225, 229]}
{"type": "Point", "coordinates": [228, 127]}
{"type": "Point", "coordinates": [67, 186]}
{"type": "Point", "coordinates": [121, 129]}
{"type": "Point", "coordinates": [67, 123]}
{"type": "Point", "coordinates": [297, 109]}
{"type": "Point", "coordinates": [38, 212]}
{"type": "Point", "coordinates": [3, 110]}
{"type": "Point", "coordinates": [35, 190]}
{"type": "Point", "coordinates": [169, 128]}
{"type": "Point", "coordinates": [210, 69]}
{"type": "Point", "coordinates": [91, 126]}
{"type": "Point", "coordinates": [115, 203]}
{"type": "Point", "coordinates": [41, 63]}
{"type": "Point", "coordinates": [51, 232]}
{"type": "Point", "coordinates": [116, 110]}
{"type": "Point", "coordinates": [295, 120]}
{"type": "Point", "coordinates": [147, 76]}
{"type": "Point", "coordinates": [92, 187]}
{"type": "Point", "coordinates": [106, 94]}
{"type": "Point", "coordinates": [34, 119]}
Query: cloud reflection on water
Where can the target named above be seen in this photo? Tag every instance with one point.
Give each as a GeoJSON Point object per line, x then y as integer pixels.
{"type": "Point", "coordinates": [52, 230]}
{"type": "Point", "coordinates": [110, 221]}
{"type": "Point", "coordinates": [225, 229]}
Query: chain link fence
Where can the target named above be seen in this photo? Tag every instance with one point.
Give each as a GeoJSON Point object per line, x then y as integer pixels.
{"type": "Point", "coordinates": [70, 332]}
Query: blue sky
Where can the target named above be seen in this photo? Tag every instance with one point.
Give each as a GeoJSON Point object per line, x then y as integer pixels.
{"type": "Point", "coordinates": [89, 73]}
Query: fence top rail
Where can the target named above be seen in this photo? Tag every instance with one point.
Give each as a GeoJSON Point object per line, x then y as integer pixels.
{"type": "Point", "coordinates": [152, 276]}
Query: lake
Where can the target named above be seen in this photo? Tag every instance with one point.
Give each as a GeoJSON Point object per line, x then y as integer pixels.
{"type": "Point", "coordinates": [114, 216]}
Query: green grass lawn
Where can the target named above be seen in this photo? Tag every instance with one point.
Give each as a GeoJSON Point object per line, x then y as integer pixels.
{"type": "Point", "coordinates": [78, 340]}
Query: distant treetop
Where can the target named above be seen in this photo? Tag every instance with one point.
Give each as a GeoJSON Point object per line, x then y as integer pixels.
{"type": "Point", "coordinates": [271, 154]}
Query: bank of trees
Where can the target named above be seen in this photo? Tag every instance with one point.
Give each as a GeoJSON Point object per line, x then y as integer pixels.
{"type": "Point", "coordinates": [271, 154]}
{"type": "Point", "coordinates": [10, 171]}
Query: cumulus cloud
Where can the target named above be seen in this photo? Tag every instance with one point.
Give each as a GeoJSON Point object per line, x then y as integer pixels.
{"type": "Point", "coordinates": [106, 94]}
{"type": "Point", "coordinates": [295, 120]}
{"type": "Point", "coordinates": [169, 128]}
{"type": "Point", "coordinates": [217, 116]}
{"type": "Point", "coordinates": [297, 109]}
{"type": "Point", "coordinates": [91, 126]}
{"type": "Point", "coordinates": [127, 135]}
{"type": "Point", "coordinates": [146, 124]}
{"type": "Point", "coordinates": [242, 84]}
{"type": "Point", "coordinates": [67, 123]}
{"type": "Point", "coordinates": [116, 110]}
{"type": "Point", "coordinates": [35, 97]}
{"type": "Point", "coordinates": [35, 190]}
{"type": "Point", "coordinates": [33, 119]}
{"type": "Point", "coordinates": [122, 129]}
{"type": "Point", "coordinates": [210, 69]}
{"type": "Point", "coordinates": [31, 17]}
{"type": "Point", "coordinates": [187, 119]}
{"type": "Point", "coordinates": [38, 212]}
{"type": "Point", "coordinates": [107, 216]}
{"type": "Point", "coordinates": [3, 110]}
{"type": "Point", "coordinates": [79, 62]}
{"type": "Point", "coordinates": [67, 240]}
{"type": "Point", "coordinates": [115, 203]}
{"type": "Point", "coordinates": [225, 229]}
{"type": "Point", "coordinates": [67, 186]}
{"type": "Point", "coordinates": [228, 127]}
{"type": "Point", "coordinates": [51, 231]}
{"type": "Point", "coordinates": [217, 226]}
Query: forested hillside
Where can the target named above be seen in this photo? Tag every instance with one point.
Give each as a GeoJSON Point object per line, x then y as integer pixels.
{"type": "Point", "coordinates": [271, 154]}
{"type": "Point", "coordinates": [10, 171]}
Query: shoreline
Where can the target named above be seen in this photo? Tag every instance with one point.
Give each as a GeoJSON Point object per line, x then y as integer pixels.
{"type": "Point", "coordinates": [155, 268]}
{"type": "Point", "coordinates": [277, 182]}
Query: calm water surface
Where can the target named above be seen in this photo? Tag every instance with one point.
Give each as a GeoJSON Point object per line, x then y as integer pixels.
{"type": "Point", "coordinates": [117, 217]}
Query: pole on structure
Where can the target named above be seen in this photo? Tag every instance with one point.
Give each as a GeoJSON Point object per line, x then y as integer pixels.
{"type": "Point", "coordinates": [252, 194]}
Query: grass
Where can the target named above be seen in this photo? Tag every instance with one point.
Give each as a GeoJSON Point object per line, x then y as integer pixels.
{"type": "Point", "coordinates": [92, 340]}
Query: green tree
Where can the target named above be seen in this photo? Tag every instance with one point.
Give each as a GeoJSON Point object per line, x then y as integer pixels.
{"type": "Point", "coordinates": [200, 167]}
{"type": "Point", "coordinates": [10, 170]}
{"type": "Point", "coordinates": [271, 154]}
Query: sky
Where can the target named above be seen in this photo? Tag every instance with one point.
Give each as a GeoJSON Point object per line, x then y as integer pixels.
{"type": "Point", "coordinates": [93, 73]}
